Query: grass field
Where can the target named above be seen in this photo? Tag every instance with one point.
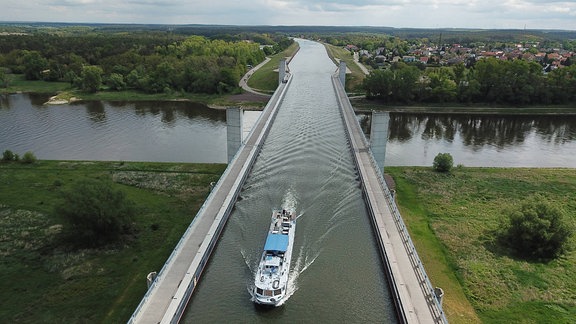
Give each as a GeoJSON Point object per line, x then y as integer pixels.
{"type": "Point", "coordinates": [265, 79]}
{"type": "Point", "coordinates": [451, 218]}
{"type": "Point", "coordinates": [19, 84]}
{"type": "Point", "coordinates": [353, 79]}
{"type": "Point", "coordinates": [45, 282]}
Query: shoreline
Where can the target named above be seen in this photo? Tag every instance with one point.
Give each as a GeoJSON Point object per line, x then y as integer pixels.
{"type": "Point", "coordinates": [247, 101]}
{"type": "Point", "coordinates": [255, 102]}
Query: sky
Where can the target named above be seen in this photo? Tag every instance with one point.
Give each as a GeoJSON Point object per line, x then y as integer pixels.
{"type": "Point", "coordinates": [485, 14]}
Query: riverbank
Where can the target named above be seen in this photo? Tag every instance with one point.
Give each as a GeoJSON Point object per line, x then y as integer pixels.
{"type": "Point", "coordinates": [356, 76]}
{"type": "Point", "coordinates": [46, 282]}
{"type": "Point", "coordinates": [63, 93]}
{"type": "Point", "coordinates": [451, 217]}
{"type": "Point", "coordinates": [245, 100]}
{"type": "Point", "coordinates": [264, 79]}
{"type": "Point", "coordinates": [364, 105]}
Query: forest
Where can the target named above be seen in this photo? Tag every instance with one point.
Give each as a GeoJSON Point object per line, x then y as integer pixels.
{"type": "Point", "coordinates": [491, 81]}
{"type": "Point", "coordinates": [516, 78]}
{"type": "Point", "coordinates": [151, 61]}
{"type": "Point", "coordinates": [212, 59]}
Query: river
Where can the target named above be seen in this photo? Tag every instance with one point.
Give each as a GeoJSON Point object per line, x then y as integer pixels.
{"type": "Point", "coordinates": [187, 132]}
{"type": "Point", "coordinates": [480, 140]}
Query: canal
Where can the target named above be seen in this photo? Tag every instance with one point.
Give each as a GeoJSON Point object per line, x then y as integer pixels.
{"type": "Point", "coordinates": [305, 164]}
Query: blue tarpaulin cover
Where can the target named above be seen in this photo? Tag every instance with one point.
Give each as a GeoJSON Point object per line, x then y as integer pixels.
{"type": "Point", "coordinates": [276, 242]}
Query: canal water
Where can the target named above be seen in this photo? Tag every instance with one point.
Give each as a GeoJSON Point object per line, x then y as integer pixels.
{"type": "Point", "coordinates": [305, 164]}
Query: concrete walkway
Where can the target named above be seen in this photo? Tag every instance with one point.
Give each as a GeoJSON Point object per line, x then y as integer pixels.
{"type": "Point", "coordinates": [360, 65]}
{"type": "Point", "coordinates": [410, 287]}
{"type": "Point", "coordinates": [167, 298]}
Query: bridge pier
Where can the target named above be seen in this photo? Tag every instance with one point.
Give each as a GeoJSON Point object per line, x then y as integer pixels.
{"type": "Point", "coordinates": [342, 73]}
{"type": "Point", "coordinates": [233, 131]}
{"type": "Point", "coordinates": [282, 75]}
{"type": "Point", "coordinates": [379, 136]}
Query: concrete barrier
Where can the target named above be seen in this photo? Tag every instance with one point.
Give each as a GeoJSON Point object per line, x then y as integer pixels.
{"type": "Point", "coordinates": [167, 298]}
{"type": "Point", "coordinates": [412, 293]}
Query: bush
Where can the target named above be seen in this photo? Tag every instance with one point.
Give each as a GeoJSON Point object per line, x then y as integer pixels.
{"type": "Point", "coordinates": [537, 230]}
{"type": "Point", "coordinates": [95, 214]}
{"type": "Point", "coordinates": [28, 158]}
{"type": "Point", "coordinates": [443, 162]}
{"type": "Point", "coordinates": [7, 156]}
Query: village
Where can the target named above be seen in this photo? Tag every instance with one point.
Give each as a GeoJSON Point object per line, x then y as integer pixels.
{"type": "Point", "coordinates": [452, 54]}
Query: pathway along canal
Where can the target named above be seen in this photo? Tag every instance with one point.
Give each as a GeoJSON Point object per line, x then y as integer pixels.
{"type": "Point", "coordinates": [305, 163]}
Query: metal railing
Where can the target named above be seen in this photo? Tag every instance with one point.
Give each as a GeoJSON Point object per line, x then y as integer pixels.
{"type": "Point", "coordinates": [427, 287]}
{"type": "Point", "coordinates": [275, 101]}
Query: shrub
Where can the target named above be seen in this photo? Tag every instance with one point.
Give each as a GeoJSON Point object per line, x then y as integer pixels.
{"type": "Point", "coordinates": [537, 230]}
{"type": "Point", "coordinates": [443, 162]}
{"type": "Point", "coordinates": [28, 158]}
{"type": "Point", "coordinates": [95, 214]}
{"type": "Point", "coordinates": [116, 82]}
{"type": "Point", "coordinates": [7, 156]}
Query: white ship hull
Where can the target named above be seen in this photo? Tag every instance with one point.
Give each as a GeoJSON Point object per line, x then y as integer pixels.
{"type": "Point", "coordinates": [271, 280]}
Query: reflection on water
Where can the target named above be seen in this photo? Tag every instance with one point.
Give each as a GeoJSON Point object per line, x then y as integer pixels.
{"type": "Point", "coordinates": [172, 131]}
{"type": "Point", "coordinates": [177, 131]}
{"type": "Point", "coordinates": [481, 140]}
{"type": "Point", "coordinates": [96, 111]}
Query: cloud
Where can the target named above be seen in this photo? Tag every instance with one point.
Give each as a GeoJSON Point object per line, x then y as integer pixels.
{"type": "Point", "coordinates": [395, 13]}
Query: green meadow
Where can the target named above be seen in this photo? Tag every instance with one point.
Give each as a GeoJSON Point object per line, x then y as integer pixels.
{"type": "Point", "coordinates": [45, 281]}
{"type": "Point", "coordinates": [452, 219]}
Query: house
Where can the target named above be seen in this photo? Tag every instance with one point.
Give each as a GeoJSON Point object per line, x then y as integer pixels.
{"type": "Point", "coordinates": [352, 48]}
{"type": "Point", "coordinates": [409, 58]}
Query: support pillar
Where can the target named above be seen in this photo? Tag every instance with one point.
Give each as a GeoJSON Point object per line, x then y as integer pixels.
{"type": "Point", "coordinates": [342, 73]}
{"type": "Point", "coordinates": [379, 136]}
{"type": "Point", "coordinates": [233, 131]}
{"type": "Point", "coordinates": [281, 71]}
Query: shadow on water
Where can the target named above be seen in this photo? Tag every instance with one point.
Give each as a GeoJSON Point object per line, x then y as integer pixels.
{"type": "Point", "coordinates": [269, 312]}
{"type": "Point", "coordinates": [96, 111]}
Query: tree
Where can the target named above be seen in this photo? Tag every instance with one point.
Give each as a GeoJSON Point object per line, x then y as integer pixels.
{"type": "Point", "coordinates": [443, 162]}
{"type": "Point", "coordinates": [91, 78]}
{"type": "Point", "coordinates": [34, 64]}
{"type": "Point", "coordinates": [28, 158]}
{"type": "Point", "coordinates": [4, 80]}
{"type": "Point", "coordinates": [116, 82]}
{"type": "Point", "coordinates": [7, 156]}
{"type": "Point", "coordinates": [95, 214]}
{"type": "Point", "coordinates": [536, 230]}
{"type": "Point", "coordinates": [442, 85]}
{"type": "Point", "coordinates": [397, 84]}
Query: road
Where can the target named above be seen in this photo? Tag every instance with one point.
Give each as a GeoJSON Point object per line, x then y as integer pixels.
{"type": "Point", "coordinates": [244, 81]}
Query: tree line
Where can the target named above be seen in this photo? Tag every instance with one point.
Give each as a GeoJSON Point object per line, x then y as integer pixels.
{"type": "Point", "coordinates": [492, 81]}
{"type": "Point", "coordinates": [152, 63]}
